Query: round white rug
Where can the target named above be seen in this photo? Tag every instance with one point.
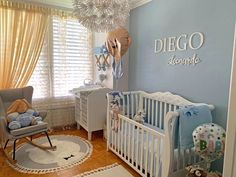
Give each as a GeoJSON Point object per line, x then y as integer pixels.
{"type": "Point", "coordinates": [70, 151]}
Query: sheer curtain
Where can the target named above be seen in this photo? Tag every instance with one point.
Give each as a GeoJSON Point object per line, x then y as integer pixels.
{"type": "Point", "coordinates": [64, 63]}
{"type": "Point", "coordinates": [22, 32]}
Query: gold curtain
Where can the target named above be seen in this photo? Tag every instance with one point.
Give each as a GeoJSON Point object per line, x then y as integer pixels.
{"type": "Point", "coordinates": [22, 32]}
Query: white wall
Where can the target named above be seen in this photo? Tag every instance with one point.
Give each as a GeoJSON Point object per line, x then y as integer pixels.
{"type": "Point", "coordinates": [230, 149]}
{"type": "Point", "coordinates": [99, 40]}
{"type": "Point", "coordinates": [122, 84]}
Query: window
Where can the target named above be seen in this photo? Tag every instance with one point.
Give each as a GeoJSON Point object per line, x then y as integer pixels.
{"type": "Point", "coordinates": [65, 60]}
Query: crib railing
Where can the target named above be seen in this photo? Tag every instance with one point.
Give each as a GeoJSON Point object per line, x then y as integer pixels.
{"type": "Point", "coordinates": [138, 145]}
{"type": "Point", "coordinates": [129, 142]}
{"type": "Point", "coordinates": [130, 103]}
{"type": "Point", "coordinates": [155, 109]}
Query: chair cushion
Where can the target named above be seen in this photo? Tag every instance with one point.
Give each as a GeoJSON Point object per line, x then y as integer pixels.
{"type": "Point", "coordinates": [30, 129]}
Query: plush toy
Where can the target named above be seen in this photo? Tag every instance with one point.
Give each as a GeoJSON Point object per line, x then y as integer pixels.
{"type": "Point", "coordinates": [20, 106]}
{"type": "Point", "coordinates": [195, 171]}
{"type": "Point", "coordinates": [115, 110]}
{"type": "Point", "coordinates": [16, 120]}
{"type": "Point", "coordinates": [139, 117]}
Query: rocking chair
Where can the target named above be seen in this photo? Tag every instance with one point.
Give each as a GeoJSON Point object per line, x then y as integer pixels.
{"type": "Point", "coordinates": [6, 98]}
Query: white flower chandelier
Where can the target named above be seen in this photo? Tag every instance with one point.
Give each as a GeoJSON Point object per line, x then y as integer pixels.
{"type": "Point", "coordinates": [101, 15]}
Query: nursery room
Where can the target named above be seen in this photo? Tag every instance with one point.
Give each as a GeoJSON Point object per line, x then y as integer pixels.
{"type": "Point", "coordinates": [117, 88]}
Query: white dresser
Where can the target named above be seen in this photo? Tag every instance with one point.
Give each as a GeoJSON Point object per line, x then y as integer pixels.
{"type": "Point", "coordinates": [90, 108]}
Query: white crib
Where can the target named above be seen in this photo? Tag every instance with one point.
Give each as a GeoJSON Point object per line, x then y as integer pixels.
{"type": "Point", "coordinates": [150, 148]}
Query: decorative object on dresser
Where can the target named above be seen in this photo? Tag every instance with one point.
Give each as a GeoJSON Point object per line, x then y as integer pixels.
{"type": "Point", "coordinates": [150, 148]}
{"type": "Point", "coordinates": [90, 108]}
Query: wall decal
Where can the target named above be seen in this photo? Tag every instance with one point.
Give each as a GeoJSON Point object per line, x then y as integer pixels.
{"type": "Point", "coordinates": [183, 42]}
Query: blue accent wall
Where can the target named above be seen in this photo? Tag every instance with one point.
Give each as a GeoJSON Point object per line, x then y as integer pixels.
{"type": "Point", "coordinates": [206, 82]}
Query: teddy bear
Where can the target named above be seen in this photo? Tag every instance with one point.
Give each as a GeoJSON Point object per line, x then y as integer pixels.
{"type": "Point", "coordinates": [115, 110]}
{"type": "Point", "coordinates": [139, 116]}
{"type": "Point", "coordinates": [20, 114]}
{"type": "Point", "coordinates": [18, 120]}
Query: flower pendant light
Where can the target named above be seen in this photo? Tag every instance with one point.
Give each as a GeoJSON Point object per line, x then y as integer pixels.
{"type": "Point", "coordinates": [101, 15]}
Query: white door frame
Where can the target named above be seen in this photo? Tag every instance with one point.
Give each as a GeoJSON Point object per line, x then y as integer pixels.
{"type": "Point", "coordinates": [230, 148]}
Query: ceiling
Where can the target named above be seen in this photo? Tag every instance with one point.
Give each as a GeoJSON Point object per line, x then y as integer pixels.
{"type": "Point", "coordinates": [68, 3]}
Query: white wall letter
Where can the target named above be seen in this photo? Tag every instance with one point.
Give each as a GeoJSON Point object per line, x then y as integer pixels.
{"type": "Point", "coordinates": [172, 44]}
{"type": "Point", "coordinates": [191, 40]}
{"type": "Point", "coordinates": [184, 44]}
{"type": "Point", "coordinates": [157, 50]}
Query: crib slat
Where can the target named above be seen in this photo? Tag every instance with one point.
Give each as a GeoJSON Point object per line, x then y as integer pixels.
{"type": "Point", "coordinates": [149, 112]}
{"type": "Point", "coordinates": [119, 137]}
{"type": "Point", "coordinates": [178, 159]}
{"type": "Point", "coordinates": [129, 137]}
{"type": "Point", "coordinates": [145, 106]}
{"type": "Point", "coordinates": [137, 149]}
{"type": "Point", "coordinates": [189, 156]}
{"type": "Point", "coordinates": [194, 157]}
{"type": "Point", "coordinates": [146, 156]}
{"type": "Point", "coordinates": [184, 159]}
{"type": "Point", "coordinates": [136, 102]}
{"type": "Point", "coordinates": [169, 107]}
{"type": "Point", "coordinates": [152, 154]}
{"type": "Point", "coordinates": [165, 110]}
{"type": "Point", "coordinates": [153, 112]}
{"type": "Point", "coordinates": [125, 137]}
{"type": "Point", "coordinates": [128, 107]}
{"type": "Point", "coordinates": [141, 155]}
{"type": "Point", "coordinates": [157, 158]}
{"type": "Point", "coordinates": [133, 135]}
{"type": "Point", "coordinates": [175, 108]}
{"type": "Point", "coordinates": [156, 114]}
{"type": "Point", "coordinates": [132, 104]}
{"type": "Point", "coordinates": [115, 139]}
{"type": "Point", "coordinates": [123, 105]}
{"type": "Point", "coordinates": [122, 137]}
{"type": "Point", "coordinates": [112, 134]}
{"type": "Point", "coordinates": [160, 115]}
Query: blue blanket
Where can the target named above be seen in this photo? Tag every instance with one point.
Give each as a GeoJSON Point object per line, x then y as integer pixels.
{"type": "Point", "coordinates": [189, 118]}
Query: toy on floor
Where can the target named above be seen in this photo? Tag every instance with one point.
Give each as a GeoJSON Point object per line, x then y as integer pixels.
{"type": "Point", "coordinates": [196, 171]}
{"type": "Point", "coordinates": [209, 142]}
{"type": "Point", "coordinates": [20, 114]}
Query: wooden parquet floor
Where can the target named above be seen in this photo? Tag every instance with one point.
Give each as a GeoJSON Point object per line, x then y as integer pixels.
{"type": "Point", "coordinates": [100, 158]}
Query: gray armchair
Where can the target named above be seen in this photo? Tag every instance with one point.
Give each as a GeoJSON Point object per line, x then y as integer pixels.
{"type": "Point", "coordinates": [6, 98]}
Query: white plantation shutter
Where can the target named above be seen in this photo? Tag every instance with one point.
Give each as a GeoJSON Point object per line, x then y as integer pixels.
{"type": "Point", "coordinates": [71, 55]}
{"type": "Point", "coordinates": [65, 60]}
{"type": "Point", "coordinates": [41, 77]}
